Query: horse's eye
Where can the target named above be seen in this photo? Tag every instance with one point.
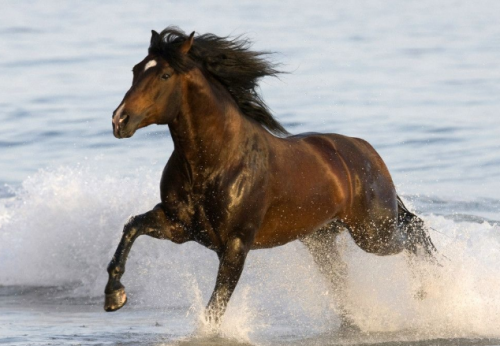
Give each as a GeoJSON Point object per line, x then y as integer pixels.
{"type": "Point", "coordinates": [165, 76]}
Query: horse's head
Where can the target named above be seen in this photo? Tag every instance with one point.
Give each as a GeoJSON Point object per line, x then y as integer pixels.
{"type": "Point", "coordinates": [155, 94]}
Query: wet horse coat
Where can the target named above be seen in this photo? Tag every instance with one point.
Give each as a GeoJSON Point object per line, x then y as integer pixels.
{"type": "Point", "coordinates": [236, 180]}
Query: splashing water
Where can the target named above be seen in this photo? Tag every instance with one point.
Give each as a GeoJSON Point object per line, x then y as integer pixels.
{"type": "Point", "coordinates": [62, 227]}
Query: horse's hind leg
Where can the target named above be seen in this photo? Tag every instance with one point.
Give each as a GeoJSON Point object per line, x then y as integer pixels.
{"type": "Point", "coordinates": [418, 244]}
{"type": "Point", "coordinates": [153, 223]}
{"type": "Point", "coordinates": [323, 248]}
{"type": "Point", "coordinates": [418, 241]}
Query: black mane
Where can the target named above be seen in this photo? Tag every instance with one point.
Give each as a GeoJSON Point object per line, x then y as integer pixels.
{"type": "Point", "coordinates": [229, 61]}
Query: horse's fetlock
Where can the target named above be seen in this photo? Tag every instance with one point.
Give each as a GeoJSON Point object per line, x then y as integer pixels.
{"type": "Point", "coordinates": [111, 265]}
{"type": "Point", "coordinates": [115, 270]}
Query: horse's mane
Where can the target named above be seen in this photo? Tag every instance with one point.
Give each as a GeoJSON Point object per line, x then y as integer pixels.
{"type": "Point", "coordinates": [229, 61]}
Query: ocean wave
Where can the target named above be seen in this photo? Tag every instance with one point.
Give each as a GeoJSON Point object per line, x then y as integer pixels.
{"type": "Point", "coordinates": [62, 226]}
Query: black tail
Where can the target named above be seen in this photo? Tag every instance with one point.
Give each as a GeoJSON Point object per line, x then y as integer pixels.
{"type": "Point", "coordinates": [416, 232]}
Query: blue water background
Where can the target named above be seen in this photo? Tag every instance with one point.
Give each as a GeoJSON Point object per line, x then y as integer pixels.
{"type": "Point", "coordinates": [418, 80]}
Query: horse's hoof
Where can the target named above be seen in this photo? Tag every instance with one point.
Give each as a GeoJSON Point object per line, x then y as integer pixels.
{"type": "Point", "coordinates": [115, 300]}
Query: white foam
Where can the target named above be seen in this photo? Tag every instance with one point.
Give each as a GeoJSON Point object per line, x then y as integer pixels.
{"type": "Point", "coordinates": [64, 225]}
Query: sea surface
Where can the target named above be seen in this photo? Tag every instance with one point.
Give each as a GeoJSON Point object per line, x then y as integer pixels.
{"type": "Point", "coordinates": [420, 80]}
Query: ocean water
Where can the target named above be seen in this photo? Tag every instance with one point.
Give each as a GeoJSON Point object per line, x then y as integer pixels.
{"type": "Point", "coordinates": [418, 80]}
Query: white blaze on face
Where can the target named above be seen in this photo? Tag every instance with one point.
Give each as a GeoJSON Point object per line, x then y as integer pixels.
{"type": "Point", "coordinates": [150, 64]}
{"type": "Point", "coordinates": [118, 114]}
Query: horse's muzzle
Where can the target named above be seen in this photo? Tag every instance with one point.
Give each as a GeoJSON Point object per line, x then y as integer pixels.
{"type": "Point", "coordinates": [119, 123]}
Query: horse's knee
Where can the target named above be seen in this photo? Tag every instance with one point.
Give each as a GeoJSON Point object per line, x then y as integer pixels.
{"type": "Point", "coordinates": [158, 225]}
{"type": "Point", "coordinates": [131, 228]}
{"type": "Point", "coordinates": [135, 226]}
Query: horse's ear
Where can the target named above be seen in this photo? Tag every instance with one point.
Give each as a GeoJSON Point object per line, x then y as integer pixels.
{"type": "Point", "coordinates": [155, 38]}
{"type": "Point", "coordinates": [186, 45]}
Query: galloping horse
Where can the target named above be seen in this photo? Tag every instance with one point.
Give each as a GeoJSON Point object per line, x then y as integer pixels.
{"type": "Point", "coordinates": [237, 181]}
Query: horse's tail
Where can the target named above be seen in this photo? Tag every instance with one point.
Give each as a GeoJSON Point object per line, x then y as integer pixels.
{"type": "Point", "coordinates": [416, 232]}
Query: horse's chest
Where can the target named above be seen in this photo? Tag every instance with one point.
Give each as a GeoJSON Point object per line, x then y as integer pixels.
{"type": "Point", "coordinates": [219, 204]}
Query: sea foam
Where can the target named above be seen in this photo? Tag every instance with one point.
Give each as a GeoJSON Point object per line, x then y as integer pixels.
{"type": "Point", "coordinates": [63, 225]}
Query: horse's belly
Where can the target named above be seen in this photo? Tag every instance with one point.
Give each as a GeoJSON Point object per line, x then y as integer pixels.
{"type": "Point", "coordinates": [277, 238]}
{"type": "Point", "coordinates": [280, 228]}
{"type": "Point", "coordinates": [307, 202]}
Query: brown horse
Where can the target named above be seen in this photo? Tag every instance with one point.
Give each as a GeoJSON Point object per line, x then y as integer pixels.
{"type": "Point", "coordinates": [236, 181]}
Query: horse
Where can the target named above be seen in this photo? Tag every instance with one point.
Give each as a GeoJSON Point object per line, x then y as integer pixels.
{"type": "Point", "coordinates": [238, 181]}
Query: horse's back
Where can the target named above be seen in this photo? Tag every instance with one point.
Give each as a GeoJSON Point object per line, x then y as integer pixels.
{"type": "Point", "coordinates": [362, 165]}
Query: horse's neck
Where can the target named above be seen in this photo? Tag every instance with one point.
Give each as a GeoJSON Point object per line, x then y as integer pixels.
{"type": "Point", "coordinates": [209, 125]}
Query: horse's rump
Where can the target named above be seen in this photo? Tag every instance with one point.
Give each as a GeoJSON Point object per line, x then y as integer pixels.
{"type": "Point", "coordinates": [317, 178]}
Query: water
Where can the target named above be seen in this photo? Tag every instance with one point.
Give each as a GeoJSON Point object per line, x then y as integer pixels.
{"type": "Point", "coordinates": [419, 80]}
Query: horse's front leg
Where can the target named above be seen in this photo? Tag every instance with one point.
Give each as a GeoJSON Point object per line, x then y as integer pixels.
{"type": "Point", "coordinates": [153, 223]}
{"type": "Point", "coordinates": [232, 260]}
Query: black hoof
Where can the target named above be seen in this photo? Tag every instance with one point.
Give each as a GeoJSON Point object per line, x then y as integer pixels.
{"type": "Point", "coordinates": [115, 300]}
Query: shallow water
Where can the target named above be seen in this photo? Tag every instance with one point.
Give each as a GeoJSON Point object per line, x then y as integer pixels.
{"type": "Point", "coordinates": [419, 80]}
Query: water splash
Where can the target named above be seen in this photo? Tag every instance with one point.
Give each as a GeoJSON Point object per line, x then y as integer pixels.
{"type": "Point", "coordinates": [62, 226]}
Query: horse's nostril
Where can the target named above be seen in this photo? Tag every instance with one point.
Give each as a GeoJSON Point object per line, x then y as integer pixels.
{"type": "Point", "coordinates": [123, 119]}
